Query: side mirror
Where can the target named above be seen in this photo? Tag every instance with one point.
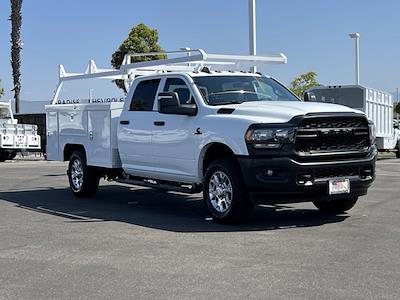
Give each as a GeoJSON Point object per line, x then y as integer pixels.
{"type": "Point", "coordinates": [306, 97]}
{"type": "Point", "coordinates": [168, 103]}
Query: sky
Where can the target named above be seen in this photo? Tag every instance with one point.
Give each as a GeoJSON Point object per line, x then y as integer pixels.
{"type": "Point", "coordinates": [313, 34]}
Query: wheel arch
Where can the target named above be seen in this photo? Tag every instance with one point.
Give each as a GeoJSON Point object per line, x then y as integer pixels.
{"type": "Point", "coordinates": [210, 152]}
{"type": "Point", "coordinates": [70, 148]}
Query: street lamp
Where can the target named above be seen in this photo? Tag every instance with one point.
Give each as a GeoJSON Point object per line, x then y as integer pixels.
{"type": "Point", "coordinates": [252, 30]}
{"type": "Point", "coordinates": [356, 37]}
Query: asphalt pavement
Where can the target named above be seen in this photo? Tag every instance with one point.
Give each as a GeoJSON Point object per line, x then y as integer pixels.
{"type": "Point", "coordinates": [139, 243]}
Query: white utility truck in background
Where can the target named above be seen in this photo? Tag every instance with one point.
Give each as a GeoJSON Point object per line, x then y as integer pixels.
{"type": "Point", "coordinates": [15, 137]}
{"type": "Point", "coordinates": [197, 122]}
{"type": "Point", "coordinates": [377, 105]}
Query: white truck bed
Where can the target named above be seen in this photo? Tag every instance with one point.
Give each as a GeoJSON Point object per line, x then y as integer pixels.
{"type": "Point", "coordinates": [92, 125]}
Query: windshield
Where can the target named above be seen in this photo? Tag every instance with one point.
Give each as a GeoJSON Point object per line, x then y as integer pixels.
{"type": "Point", "coordinates": [5, 113]}
{"type": "Point", "coordinates": [218, 90]}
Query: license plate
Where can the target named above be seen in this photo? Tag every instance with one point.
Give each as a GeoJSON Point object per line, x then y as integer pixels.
{"type": "Point", "coordinates": [339, 186]}
{"type": "Point", "coordinates": [20, 140]}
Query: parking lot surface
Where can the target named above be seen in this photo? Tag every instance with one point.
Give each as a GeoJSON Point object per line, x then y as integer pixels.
{"type": "Point", "coordinates": [133, 242]}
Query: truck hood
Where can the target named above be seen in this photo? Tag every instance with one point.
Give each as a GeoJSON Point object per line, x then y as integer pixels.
{"type": "Point", "coordinates": [283, 111]}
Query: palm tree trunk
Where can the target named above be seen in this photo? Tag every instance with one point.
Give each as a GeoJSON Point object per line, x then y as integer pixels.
{"type": "Point", "coordinates": [16, 46]}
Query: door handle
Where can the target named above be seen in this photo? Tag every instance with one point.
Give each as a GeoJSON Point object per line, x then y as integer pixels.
{"type": "Point", "coordinates": [159, 123]}
{"type": "Point", "coordinates": [124, 122]}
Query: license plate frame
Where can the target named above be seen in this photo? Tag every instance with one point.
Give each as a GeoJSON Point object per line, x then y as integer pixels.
{"type": "Point", "coordinates": [20, 140]}
{"type": "Point", "coordinates": [339, 186]}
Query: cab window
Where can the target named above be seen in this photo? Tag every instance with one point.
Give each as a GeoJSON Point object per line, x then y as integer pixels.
{"type": "Point", "coordinates": [144, 95]}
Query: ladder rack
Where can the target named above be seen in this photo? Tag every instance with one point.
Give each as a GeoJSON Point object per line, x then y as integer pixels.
{"type": "Point", "coordinates": [190, 60]}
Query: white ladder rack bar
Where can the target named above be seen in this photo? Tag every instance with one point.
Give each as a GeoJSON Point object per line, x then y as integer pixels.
{"type": "Point", "coordinates": [191, 60]}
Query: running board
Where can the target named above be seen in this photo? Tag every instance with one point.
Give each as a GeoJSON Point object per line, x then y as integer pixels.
{"type": "Point", "coordinates": [160, 184]}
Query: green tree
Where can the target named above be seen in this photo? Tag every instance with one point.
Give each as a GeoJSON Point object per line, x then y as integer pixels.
{"type": "Point", "coordinates": [16, 46]}
{"type": "Point", "coordinates": [304, 82]}
{"type": "Point", "coordinates": [141, 39]}
{"type": "Point", "coordinates": [1, 90]}
{"type": "Point", "coordinates": [397, 108]}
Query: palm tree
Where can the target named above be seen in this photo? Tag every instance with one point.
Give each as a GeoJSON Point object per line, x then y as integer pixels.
{"type": "Point", "coordinates": [16, 46]}
{"type": "Point", "coordinates": [1, 90]}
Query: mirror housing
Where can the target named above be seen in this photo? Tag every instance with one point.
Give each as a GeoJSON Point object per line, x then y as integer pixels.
{"type": "Point", "coordinates": [306, 97]}
{"type": "Point", "coordinates": [309, 97]}
{"type": "Point", "coordinates": [168, 103]}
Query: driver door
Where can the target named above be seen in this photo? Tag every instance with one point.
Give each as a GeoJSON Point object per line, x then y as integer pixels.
{"type": "Point", "coordinates": [173, 136]}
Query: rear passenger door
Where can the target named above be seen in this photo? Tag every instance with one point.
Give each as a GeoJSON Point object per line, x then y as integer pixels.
{"type": "Point", "coordinates": [136, 128]}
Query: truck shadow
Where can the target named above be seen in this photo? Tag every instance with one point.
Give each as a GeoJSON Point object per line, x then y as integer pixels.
{"type": "Point", "coordinates": [158, 209]}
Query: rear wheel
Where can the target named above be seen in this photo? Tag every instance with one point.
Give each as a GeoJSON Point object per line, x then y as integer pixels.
{"type": "Point", "coordinates": [336, 206]}
{"type": "Point", "coordinates": [12, 155]}
{"type": "Point", "coordinates": [224, 192]}
{"type": "Point", "coordinates": [398, 150]}
{"type": "Point", "coordinates": [83, 180]}
{"type": "Point", "coordinates": [3, 156]}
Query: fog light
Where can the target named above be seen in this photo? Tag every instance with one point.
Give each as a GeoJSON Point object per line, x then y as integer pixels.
{"type": "Point", "coordinates": [365, 173]}
{"type": "Point", "coordinates": [270, 172]}
{"type": "Point", "coordinates": [305, 179]}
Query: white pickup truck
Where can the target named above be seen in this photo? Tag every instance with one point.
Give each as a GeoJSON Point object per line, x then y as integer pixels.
{"type": "Point", "coordinates": [187, 125]}
{"type": "Point", "coordinates": [15, 137]}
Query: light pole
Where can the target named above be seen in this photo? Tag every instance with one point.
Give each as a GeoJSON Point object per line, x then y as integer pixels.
{"type": "Point", "coordinates": [397, 103]}
{"type": "Point", "coordinates": [252, 31]}
{"type": "Point", "coordinates": [356, 37]}
{"type": "Point", "coordinates": [91, 95]}
{"type": "Point", "coordinates": [187, 53]}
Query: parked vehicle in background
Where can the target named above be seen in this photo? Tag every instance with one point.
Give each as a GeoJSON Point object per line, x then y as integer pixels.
{"type": "Point", "coordinates": [377, 105]}
{"type": "Point", "coordinates": [39, 120]}
{"type": "Point", "coordinates": [396, 124]}
{"type": "Point", "coordinates": [187, 124]}
{"type": "Point", "coordinates": [15, 137]}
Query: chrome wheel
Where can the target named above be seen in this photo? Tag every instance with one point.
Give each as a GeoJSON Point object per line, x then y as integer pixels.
{"type": "Point", "coordinates": [77, 174]}
{"type": "Point", "coordinates": [220, 192]}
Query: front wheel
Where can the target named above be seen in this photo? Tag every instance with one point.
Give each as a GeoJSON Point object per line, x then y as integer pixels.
{"type": "Point", "coordinates": [336, 206]}
{"type": "Point", "coordinates": [398, 150]}
{"type": "Point", "coordinates": [83, 180]}
{"type": "Point", "coordinates": [224, 192]}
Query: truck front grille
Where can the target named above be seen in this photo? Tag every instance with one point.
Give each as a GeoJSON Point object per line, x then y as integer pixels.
{"type": "Point", "coordinates": [332, 134]}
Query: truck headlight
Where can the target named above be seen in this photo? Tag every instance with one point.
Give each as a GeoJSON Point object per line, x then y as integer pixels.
{"type": "Point", "coordinates": [372, 133]}
{"type": "Point", "coordinates": [270, 138]}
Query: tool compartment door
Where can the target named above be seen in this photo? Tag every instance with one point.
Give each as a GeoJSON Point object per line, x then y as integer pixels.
{"type": "Point", "coordinates": [98, 146]}
{"type": "Point", "coordinates": [52, 147]}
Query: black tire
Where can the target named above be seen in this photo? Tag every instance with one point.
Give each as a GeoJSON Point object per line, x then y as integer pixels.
{"type": "Point", "coordinates": [3, 156]}
{"type": "Point", "coordinates": [398, 150]}
{"type": "Point", "coordinates": [83, 181]}
{"type": "Point", "coordinates": [12, 155]}
{"type": "Point", "coordinates": [240, 206]}
{"type": "Point", "coordinates": [336, 206]}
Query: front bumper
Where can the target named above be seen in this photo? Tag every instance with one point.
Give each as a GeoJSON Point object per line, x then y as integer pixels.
{"type": "Point", "coordinates": [290, 179]}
